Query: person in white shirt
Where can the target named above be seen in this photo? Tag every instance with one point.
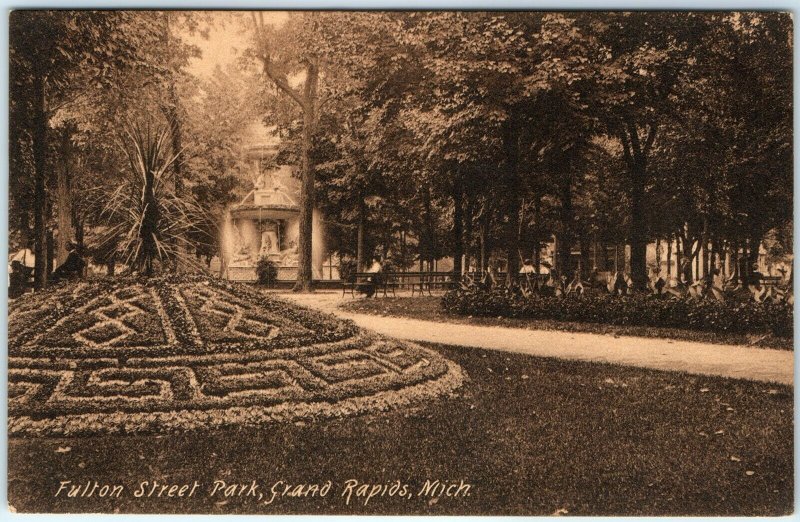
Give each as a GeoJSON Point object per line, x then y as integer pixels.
{"type": "Point", "coordinates": [376, 266]}
{"type": "Point", "coordinates": [370, 286]}
{"type": "Point", "coordinates": [25, 257]}
{"type": "Point", "coordinates": [20, 268]}
{"type": "Point", "coordinates": [527, 267]}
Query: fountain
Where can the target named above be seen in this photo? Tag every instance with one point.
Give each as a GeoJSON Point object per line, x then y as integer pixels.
{"type": "Point", "coordinates": [265, 224]}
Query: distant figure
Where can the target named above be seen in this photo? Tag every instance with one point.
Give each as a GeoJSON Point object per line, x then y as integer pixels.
{"type": "Point", "coordinates": [71, 268]}
{"type": "Point", "coordinates": [617, 284]}
{"type": "Point", "coordinates": [370, 286]}
{"type": "Point", "coordinates": [527, 270]}
{"type": "Point", "coordinates": [757, 276]}
{"type": "Point", "coordinates": [490, 279]}
{"type": "Point", "coordinates": [561, 286]}
{"type": "Point", "coordinates": [25, 256]}
{"type": "Point", "coordinates": [20, 270]}
{"type": "Point", "coordinates": [469, 276]}
{"type": "Point", "coordinates": [18, 277]}
{"type": "Point", "coordinates": [686, 270]}
{"type": "Point", "coordinates": [527, 267]}
{"type": "Point", "coordinates": [657, 283]}
{"type": "Point", "coordinates": [375, 267]}
{"type": "Point", "coordinates": [759, 291]}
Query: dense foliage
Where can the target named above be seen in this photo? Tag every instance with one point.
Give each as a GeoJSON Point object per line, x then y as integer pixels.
{"type": "Point", "coordinates": [476, 135]}
{"type": "Point", "coordinates": [640, 310]}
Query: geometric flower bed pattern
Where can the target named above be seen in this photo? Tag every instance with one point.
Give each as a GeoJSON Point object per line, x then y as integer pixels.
{"type": "Point", "coordinates": [177, 352]}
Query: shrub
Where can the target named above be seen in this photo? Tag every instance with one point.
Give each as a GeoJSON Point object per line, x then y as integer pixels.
{"type": "Point", "coordinates": [266, 271]}
{"type": "Point", "coordinates": [636, 310]}
{"type": "Point", "coordinates": [148, 222]}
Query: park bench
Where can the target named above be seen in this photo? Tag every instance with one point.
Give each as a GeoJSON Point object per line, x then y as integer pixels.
{"type": "Point", "coordinates": [426, 281]}
{"type": "Point", "coordinates": [771, 280]}
{"type": "Point", "coordinates": [417, 282]}
{"type": "Point", "coordinates": [386, 282]}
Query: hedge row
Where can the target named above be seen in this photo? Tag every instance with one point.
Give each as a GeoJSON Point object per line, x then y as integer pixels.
{"type": "Point", "coordinates": [638, 310]}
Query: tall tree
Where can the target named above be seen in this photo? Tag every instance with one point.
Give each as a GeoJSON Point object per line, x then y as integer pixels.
{"type": "Point", "coordinates": [47, 50]}
{"type": "Point", "coordinates": [280, 58]}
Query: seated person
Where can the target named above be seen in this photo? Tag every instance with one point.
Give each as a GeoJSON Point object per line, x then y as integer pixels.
{"type": "Point", "coordinates": [759, 291]}
{"type": "Point", "coordinates": [18, 278]}
{"type": "Point", "coordinates": [656, 282]}
{"type": "Point", "coordinates": [560, 286]}
{"type": "Point", "coordinates": [370, 286]}
{"type": "Point", "coordinates": [616, 284]}
{"type": "Point", "coordinates": [490, 278]}
{"type": "Point", "coordinates": [527, 267]}
{"type": "Point", "coordinates": [25, 256]}
{"type": "Point", "coordinates": [468, 279]}
{"type": "Point", "coordinates": [71, 268]}
{"type": "Point", "coordinates": [577, 285]}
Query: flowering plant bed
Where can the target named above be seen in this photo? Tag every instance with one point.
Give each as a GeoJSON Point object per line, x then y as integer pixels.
{"type": "Point", "coordinates": [177, 352]}
{"type": "Point", "coordinates": [638, 310]}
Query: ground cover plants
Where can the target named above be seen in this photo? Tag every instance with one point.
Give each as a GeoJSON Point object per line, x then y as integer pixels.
{"type": "Point", "coordinates": [639, 309]}
{"type": "Point", "coordinates": [181, 352]}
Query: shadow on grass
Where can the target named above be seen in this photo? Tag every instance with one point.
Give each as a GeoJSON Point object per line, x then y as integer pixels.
{"type": "Point", "coordinates": [532, 436]}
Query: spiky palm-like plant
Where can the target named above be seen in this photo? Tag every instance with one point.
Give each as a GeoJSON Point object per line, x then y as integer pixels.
{"type": "Point", "coordinates": [148, 221]}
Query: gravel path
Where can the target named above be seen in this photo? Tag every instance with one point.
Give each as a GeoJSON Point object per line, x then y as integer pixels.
{"type": "Point", "coordinates": [741, 362]}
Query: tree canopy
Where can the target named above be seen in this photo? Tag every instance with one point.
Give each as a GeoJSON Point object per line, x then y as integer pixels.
{"type": "Point", "coordinates": [477, 135]}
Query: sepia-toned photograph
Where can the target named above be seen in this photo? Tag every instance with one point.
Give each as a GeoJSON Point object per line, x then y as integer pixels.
{"type": "Point", "coordinates": [400, 262]}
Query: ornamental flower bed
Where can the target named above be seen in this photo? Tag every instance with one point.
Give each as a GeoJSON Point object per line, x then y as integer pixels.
{"type": "Point", "coordinates": [638, 310]}
{"type": "Point", "coordinates": [177, 352]}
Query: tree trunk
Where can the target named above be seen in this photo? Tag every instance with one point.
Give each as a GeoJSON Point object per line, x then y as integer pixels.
{"type": "Point", "coordinates": [78, 222]}
{"type": "Point", "coordinates": [458, 225]}
{"type": "Point", "coordinates": [39, 146]}
{"type": "Point", "coordinates": [360, 235]}
{"type": "Point", "coordinates": [635, 154]}
{"type": "Point", "coordinates": [64, 197]}
{"type": "Point", "coordinates": [149, 226]}
{"type": "Point", "coordinates": [304, 257]}
{"type": "Point", "coordinates": [712, 254]}
{"type": "Point", "coordinates": [51, 252]}
{"type": "Point", "coordinates": [669, 258]}
{"type": "Point", "coordinates": [177, 145]}
{"type": "Point", "coordinates": [752, 256]}
{"type": "Point", "coordinates": [566, 237]}
{"type": "Point", "coordinates": [171, 111]}
{"type": "Point", "coordinates": [470, 210]}
{"type": "Point", "coordinates": [638, 233]}
{"type": "Point", "coordinates": [585, 256]}
{"type": "Point", "coordinates": [486, 245]}
{"type": "Point", "coordinates": [430, 232]}
{"type": "Point", "coordinates": [697, 263]}
{"type": "Point", "coordinates": [514, 202]}
{"type": "Point", "coordinates": [483, 248]}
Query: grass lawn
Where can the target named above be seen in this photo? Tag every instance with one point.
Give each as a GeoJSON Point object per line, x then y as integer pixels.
{"type": "Point", "coordinates": [428, 308]}
{"type": "Point", "coordinates": [531, 435]}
